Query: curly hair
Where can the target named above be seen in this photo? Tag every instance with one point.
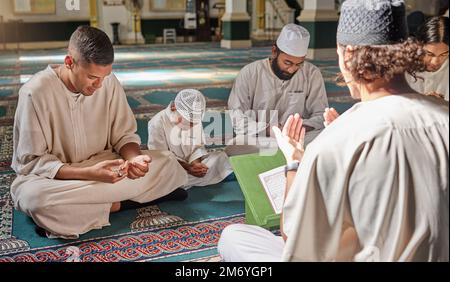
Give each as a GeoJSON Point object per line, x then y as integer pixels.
{"type": "Point", "coordinates": [369, 63]}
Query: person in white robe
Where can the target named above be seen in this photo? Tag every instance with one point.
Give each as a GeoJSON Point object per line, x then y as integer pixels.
{"type": "Point", "coordinates": [76, 152]}
{"type": "Point", "coordinates": [179, 129]}
{"type": "Point", "coordinates": [267, 91]}
{"type": "Point", "coordinates": [374, 184]}
{"type": "Point", "coordinates": [434, 81]}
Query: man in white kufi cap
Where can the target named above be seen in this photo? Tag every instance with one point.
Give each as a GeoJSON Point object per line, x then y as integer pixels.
{"type": "Point", "coordinates": [284, 83]}
{"type": "Point", "coordinates": [179, 129]}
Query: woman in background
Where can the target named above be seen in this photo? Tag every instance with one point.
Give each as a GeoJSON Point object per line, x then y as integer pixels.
{"type": "Point", "coordinates": [433, 34]}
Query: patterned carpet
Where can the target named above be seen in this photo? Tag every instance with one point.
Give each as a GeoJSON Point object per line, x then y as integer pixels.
{"type": "Point", "coordinates": [193, 239]}
{"type": "Point", "coordinates": [186, 231]}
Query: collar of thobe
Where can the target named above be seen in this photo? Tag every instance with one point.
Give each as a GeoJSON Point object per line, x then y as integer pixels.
{"type": "Point", "coordinates": [168, 112]}
{"type": "Point", "coordinates": [75, 96]}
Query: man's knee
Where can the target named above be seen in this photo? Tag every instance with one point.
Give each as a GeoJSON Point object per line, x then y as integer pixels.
{"type": "Point", "coordinates": [32, 201]}
{"type": "Point", "coordinates": [227, 241]}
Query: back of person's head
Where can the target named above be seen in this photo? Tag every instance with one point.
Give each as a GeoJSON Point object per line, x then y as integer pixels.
{"type": "Point", "coordinates": [92, 46]}
{"type": "Point", "coordinates": [434, 30]}
{"type": "Point", "coordinates": [378, 34]}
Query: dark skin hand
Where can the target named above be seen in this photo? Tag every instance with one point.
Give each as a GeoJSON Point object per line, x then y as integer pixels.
{"type": "Point", "coordinates": [195, 168]}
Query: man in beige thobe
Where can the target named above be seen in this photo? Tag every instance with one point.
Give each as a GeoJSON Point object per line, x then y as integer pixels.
{"type": "Point", "coordinates": [76, 153]}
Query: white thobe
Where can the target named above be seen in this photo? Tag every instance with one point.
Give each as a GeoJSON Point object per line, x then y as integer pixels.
{"type": "Point", "coordinates": [257, 88]}
{"type": "Point", "coordinates": [431, 81]}
{"type": "Point", "coordinates": [187, 146]}
{"type": "Point", "coordinates": [55, 127]}
{"type": "Point", "coordinates": [381, 168]}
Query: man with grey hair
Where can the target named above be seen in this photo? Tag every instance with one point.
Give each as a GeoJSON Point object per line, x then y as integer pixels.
{"type": "Point", "coordinates": [76, 153]}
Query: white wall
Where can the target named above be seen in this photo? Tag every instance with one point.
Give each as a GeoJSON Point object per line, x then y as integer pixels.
{"type": "Point", "coordinates": [62, 14]}
{"type": "Point", "coordinates": [110, 14]}
{"type": "Point", "coordinates": [147, 14]}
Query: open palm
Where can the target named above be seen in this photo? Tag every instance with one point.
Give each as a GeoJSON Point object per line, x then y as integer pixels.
{"type": "Point", "coordinates": [292, 139]}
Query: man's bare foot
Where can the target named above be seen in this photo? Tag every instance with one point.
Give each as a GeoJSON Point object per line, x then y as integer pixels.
{"type": "Point", "coordinates": [115, 207]}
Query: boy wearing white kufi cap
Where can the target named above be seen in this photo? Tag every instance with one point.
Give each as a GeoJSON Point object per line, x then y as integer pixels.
{"type": "Point", "coordinates": [179, 129]}
{"type": "Point", "coordinates": [285, 83]}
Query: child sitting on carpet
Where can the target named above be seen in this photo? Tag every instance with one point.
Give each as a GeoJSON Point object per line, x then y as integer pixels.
{"type": "Point", "coordinates": [179, 129]}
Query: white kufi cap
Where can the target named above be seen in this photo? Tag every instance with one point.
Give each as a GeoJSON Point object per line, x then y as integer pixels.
{"type": "Point", "coordinates": [294, 40]}
{"type": "Point", "coordinates": [191, 105]}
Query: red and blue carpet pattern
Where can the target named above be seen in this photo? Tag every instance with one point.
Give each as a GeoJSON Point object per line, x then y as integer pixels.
{"type": "Point", "coordinates": [161, 244]}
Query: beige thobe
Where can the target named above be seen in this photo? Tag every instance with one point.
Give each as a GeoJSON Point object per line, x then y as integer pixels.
{"type": "Point", "coordinates": [381, 168]}
{"type": "Point", "coordinates": [257, 91]}
{"type": "Point", "coordinates": [187, 146]}
{"type": "Point", "coordinates": [54, 127]}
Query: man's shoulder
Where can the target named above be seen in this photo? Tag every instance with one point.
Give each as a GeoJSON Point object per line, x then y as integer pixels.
{"type": "Point", "coordinates": [111, 86]}
{"type": "Point", "coordinates": [353, 128]}
{"type": "Point", "coordinates": [110, 82]}
{"type": "Point", "coordinates": [39, 83]}
{"type": "Point", "coordinates": [367, 121]}
{"type": "Point", "coordinates": [310, 67]}
{"type": "Point", "coordinates": [156, 121]}
{"type": "Point", "coordinates": [254, 67]}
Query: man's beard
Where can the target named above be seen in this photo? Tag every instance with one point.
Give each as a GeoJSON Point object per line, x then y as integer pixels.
{"type": "Point", "coordinates": [278, 72]}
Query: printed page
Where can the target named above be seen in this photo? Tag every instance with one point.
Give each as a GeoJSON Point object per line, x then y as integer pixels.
{"type": "Point", "coordinates": [274, 183]}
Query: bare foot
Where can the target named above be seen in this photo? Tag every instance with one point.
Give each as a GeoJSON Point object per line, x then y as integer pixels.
{"type": "Point", "coordinates": [115, 207]}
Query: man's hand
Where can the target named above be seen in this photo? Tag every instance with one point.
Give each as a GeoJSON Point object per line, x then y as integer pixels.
{"type": "Point", "coordinates": [197, 169]}
{"type": "Point", "coordinates": [435, 94]}
{"type": "Point", "coordinates": [329, 116]}
{"type": "Point", "coordinates": [269, 130]}
{"type": "Point", "coordinates": [292, 139]}
{"type": "Point", "coordinates": [108, 171]}
{"type": "Point", "coordinates": [138, 166]}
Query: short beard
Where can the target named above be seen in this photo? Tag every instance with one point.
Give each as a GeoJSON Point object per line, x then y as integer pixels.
{"type": "Point", "coordinates": [278, 72]}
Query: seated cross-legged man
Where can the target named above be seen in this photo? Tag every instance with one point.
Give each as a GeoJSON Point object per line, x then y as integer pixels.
{"type": "Point", "coordinates": [76, 152]}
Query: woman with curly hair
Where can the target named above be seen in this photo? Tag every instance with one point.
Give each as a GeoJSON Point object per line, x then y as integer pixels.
{"type": "Point", "coordinates": [373, 186]}
{"type": "Point", "coordinates": [433, 34]}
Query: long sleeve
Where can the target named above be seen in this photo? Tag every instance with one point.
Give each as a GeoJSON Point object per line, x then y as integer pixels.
{"type": "Point", "coordinates": [315, 104]}
{"type": "Point", "coordinates": [123, 123]}
{"type": "Point", "coordinates": [156, 137]}
{"type": "Point", "coordinates": [239, 102]}
{"type": "Point", "coordinates": [31, 153]}
{"type": "Point", "coordinates": [314, 211]}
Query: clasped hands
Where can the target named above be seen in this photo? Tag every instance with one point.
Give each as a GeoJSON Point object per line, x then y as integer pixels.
{"type": "Point", "coordinates": [113, 171]}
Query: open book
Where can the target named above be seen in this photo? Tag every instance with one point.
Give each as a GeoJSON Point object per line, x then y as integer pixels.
{"type": "Point", "coordinates": [274, 183]}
